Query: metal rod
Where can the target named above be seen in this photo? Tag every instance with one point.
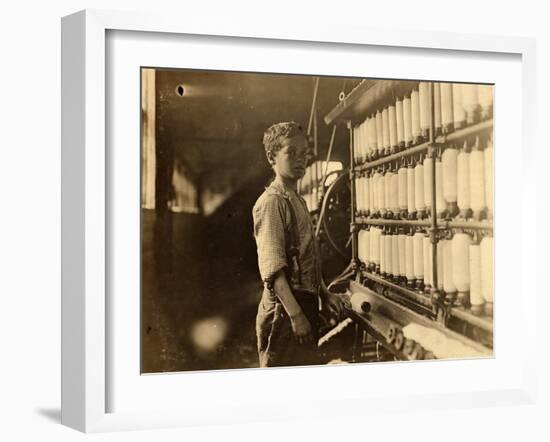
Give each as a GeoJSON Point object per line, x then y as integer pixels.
{"type": "Point", "coordinates": [466, 132]}
{"type": "Point", "coordinates": [396, 156]}
{"type": "Point", "coordinates": [467, 225]}
{"type": "Point", "coordinates": [433, 233]}
{"type": "Point", "coordinates": [313, 105]}
{"type": "Point", "coordinates": [352, 191]}
{"type": "Point", "coordinates": [393, 222]}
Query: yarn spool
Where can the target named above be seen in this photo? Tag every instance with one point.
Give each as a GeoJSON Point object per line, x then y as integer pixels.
{"type": "Point", "coordinates": [440, 265]}
{"type": "Point", "coordinates": [363, 140]}
{"type": "Point", "coordinates": [400, 123]}
{"type": "Point", "coordinates": [410, 192]}
{"type": "Point", "coordinates": [402, 239]}
{"type": "Point", "coordinates": [446, 92]}
{"type": "Point", "coordinates": [366, 195]}
{"type": "Point", "coordinates": [470, 102]}
{"type": "Point", "coordinates": [373, 143]}
{"type": "Point", "coordinates": [424, 101]}
{"type": "Point", "coordinates": [476, 298]}
{"type": "Point", "coordinates": [460, 246]}
{"type": "Point", "coordinates": [428, 265]}
{"type": "Point", "coordinates": [379, 134]}
{"type": "Point", "coordinates": [388, 255]}
{"type": "Point", "coordinates": [428, 174]}
{"type": "Point", "coordinates": [418, 259]}
{"type": "Point", "coordinates": [383, 254]}
{"type": "Point", "coordinates": [449, 161]}
{"type": "Point", "coordinates": [375, 250]}
{"type": "Point", "coordinates": [392, 122]}
{"type": "Point", "coordinates": [361, 246]}
{"type": "Point", "coordinates": [395, 256]}
{"type": "Point", "coordinates": [448, 281]}
{"type": "Point", "coordinates": [375, 192]}
{"type": "Point", "coordinates": [437, 109]}
{"type": "Point", "coordinates": [382, 195]}
{"type": "Point", "coordinates": [402, 191]}
{"type": "Point", "coordinates": [463, 184]}
{"type": "Point", "coordinates": [477, 184]}
{"type": "Point", "coordinates": [488, 177]}
{"type": "Point", "coordinates": [357, 195]}
{"type": "Point", "coordinates": [441, 205]}
{"type": "Point", "coordinates": [415, 117]}
{"type": "Point", "coordinates": [486, 252]}
{"type": "Point", "coordinates": [385, 131]}
{"type": "Point", "coordinates": [355, 146]}
{"type": "Point", "coordinates": [485, 97]}
{"type": "Point", "coordinates": [407, 122]}
{"type": "Point", "coordinates": [459, 115]}
{"type": "Point", "coordinates": [394, 194]}
{"type": "Point", "coordinates": [370, 185]}
{"type": "Point", "coordinates": [409, 261]}
{"type": "Point", "coordinates": [419, 205]}
{"type": "Point", "coordinates": [388, 181]}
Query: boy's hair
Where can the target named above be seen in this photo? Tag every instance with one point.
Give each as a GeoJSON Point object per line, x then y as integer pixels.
{"type": "Point", "coordinates": [276, 133]}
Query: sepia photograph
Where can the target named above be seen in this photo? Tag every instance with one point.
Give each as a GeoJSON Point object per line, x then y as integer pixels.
{"type": "Point", "coordinates": [303, 220]}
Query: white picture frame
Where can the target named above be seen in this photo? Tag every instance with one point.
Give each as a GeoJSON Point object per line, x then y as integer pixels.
{"type": "Point", "coordinates": [85, 209]}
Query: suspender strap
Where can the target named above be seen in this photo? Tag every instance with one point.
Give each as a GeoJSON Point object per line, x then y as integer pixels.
{"type": "Point", "coordinates": [293, 249]}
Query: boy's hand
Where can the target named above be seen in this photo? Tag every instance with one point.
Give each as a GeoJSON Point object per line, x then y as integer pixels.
{"type": "Point", "coordinates": [333, 304]}
{"type": "Point", "coordinates": [301, 328]}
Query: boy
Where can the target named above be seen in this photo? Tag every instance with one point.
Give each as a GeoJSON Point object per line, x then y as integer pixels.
{"type": "Point", "coordinates": [287, 319]}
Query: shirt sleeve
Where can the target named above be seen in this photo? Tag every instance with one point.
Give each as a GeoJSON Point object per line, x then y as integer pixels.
{"type": "Point", "coordinates": [269, 232]}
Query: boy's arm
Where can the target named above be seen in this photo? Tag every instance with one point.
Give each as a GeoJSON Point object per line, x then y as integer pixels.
{"type": "Point", "coordinates": [300, 325]}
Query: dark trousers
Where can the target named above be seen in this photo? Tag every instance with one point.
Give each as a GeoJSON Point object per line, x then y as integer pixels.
{"type": "Point", "coordinates": [277, 345]}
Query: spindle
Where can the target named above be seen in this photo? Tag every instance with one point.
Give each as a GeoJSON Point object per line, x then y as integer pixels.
{"type": "Point", "coordinates": [410, 192]}
{"type": "Point", "coordinates": [415, 117]}
{"type": "Point", "coordinates": [388, 255]}
{"type": "Point", "coordinates": [402, 191]}
{"type": "Point", "coordinates": [439, 199]}
{"type": "Point", "coordinates": [425, 114]}
{"type": "Point", "coordinates": [485, 97]}
{"type": "Point", "coordinates": [460, 246]}
{"type": "Point", "coordinates": [488, 177]}
{"type": "Point", "coordinates": [376, 249]}
{"type": "Point", "coordinates": [476, 298]}
{"type": "Point", "coordinates": [486, 252]}
{"type": "Point", "coordinates": [394, 195]}
{"type": "Point", "coordinates": [419, 204]}
{"type": "Point", "coordinates": [402, 258]}
{"type": "Point", "coordinates": [386, 131]}
{"type": "Point", "coordinates": [382, 195]}
{"type": "Point", "coordinates": [407, 122]}
{"type": "Point", "coordinates": [379, 134]}
{"type": "Point", "coordinates": [449, 160]}
{"type": "Point", "coordinates": [428, 267]}
{"type": "Point", "coordinates": [459, 114]}
{"type": "Point", "coordinates": [437, 109]}
{"type": "Point", "coordinates": [388, 181]}
{"type": "Point", "coordinates": [463, 183]}
{"type": "Point", "coordinates": [409, 261]}
{"type": "Point", "coordinates": [395, 256]}
{"type": "Point", "coordinates": [446, 92]}
{"type": "Point", "coordinates": [400, 124]}
{"type": "Point", "coordinates": [448, 282]}
{"type": "Point", "coordinates": [441, 265]}
{"type": "Point", "coordinates": [477, 183]}
{"type": "Point", "coordinates": [392, 122]}
{"type": "Point", "coordinates": [470, 102]}
{"type": "Point", "coordinates": [428, 175]}
{"type": "Point", "coordinates": [418, 263]}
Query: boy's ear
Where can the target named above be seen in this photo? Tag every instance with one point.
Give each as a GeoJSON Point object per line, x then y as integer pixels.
{"type": "Point", "coordinates": [271, 158]}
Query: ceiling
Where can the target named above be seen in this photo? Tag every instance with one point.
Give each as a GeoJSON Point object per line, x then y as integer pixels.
{"type": "Point", "coordinates": [220, 119]}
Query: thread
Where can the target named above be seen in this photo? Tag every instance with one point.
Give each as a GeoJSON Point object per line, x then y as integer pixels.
{"type": "Point", "coordinates": [394, 194]}
{"type": "Point", "coordinates": [410, 191]}
{"type": "Point", "coordinates": [488, 177]}
{"type": "Point", "coordinates": [383, 264]}
{"type": "Point", "coordinates": [375, 237]}
{"type": "Point", "coordinates": [395, 255]}
{"type": "Point", "coordinates": [399, 121]}
{"type": "Point", "coordinates": [477, 183]}
{"type": "Point", "coordinates": [392, 122]}
{"type": "Point", "coordinates": [385, 130]}
{"type": "Point", "coordinates": [437, 108]}
{"type": "Point", "coordinates": [428, 172]}
{"type": "Point", "coordinates": [463, 183]}
{"type": "Point", "coordinates": [418, 253]}
{"type": "Point", "coordinates": [439, 199]}
{"type": "Point", "coordinates": [476, 298]}
{"type": "Point", "coordinates": [470, 102]}
{"type": "Point", "coordinates": [428, 265]}
{"type": "Point", "coordinates": [486, 253]}
{"type": "Point", "coordinates": [460, 247]}
{"type": "Point", "coordinates": [409, 258]}
{"type": "Point", "coordinates": [402, 254]}
{"type": "Point", "coordinates": [458, 109]}
{"type": "Point", "coordinates": [485, 97]}
{"type": "Point", "coordinates": [448, 282]}
{"type": "Point", "coordinates": [424, 101]}
{"type": "Point", "coordinates": [379, 134]}
{"type": "Point", "coordinates": [407, 121]}
{"type": "Point", "coordinates": [388, 254]}
{"type": "Point", "coordinates": [402, 188]}
{"type": "Point", "coordinates": [448, 160]}
{"type": "Point", "coordinates": [440, 265]}
{"type": "Point", "coordinates": [388, 189]}
{"type": "Point", "coordinates": [447, 118]}
{"type": "Point", "coordinates": [382, 194]}
{"type": "Point", "coordinates": [419, 189]}
{"type": "Point", "coordinates": [415, 116]}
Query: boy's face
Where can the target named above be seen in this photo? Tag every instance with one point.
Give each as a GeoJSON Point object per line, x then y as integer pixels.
{"type": "Point", "coordinates": [290, 161]}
